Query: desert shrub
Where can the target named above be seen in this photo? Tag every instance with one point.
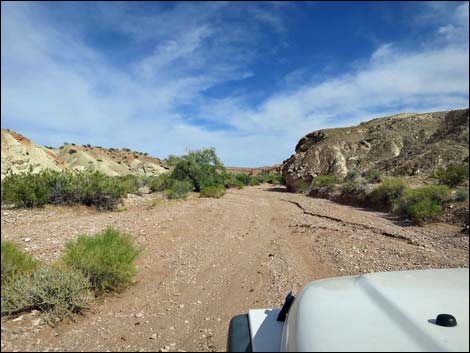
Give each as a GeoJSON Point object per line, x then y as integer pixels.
{"type": "Point", "coordinates": [58, 291]}
{"type": "Point", "coordinates": [373, 175]}
{"type": "Point", "coordinates": [244, 178]}
{"type": "Point", "coordinates": [266, 177]}
{"type": "Point", "coordinates": [130, 183]}
{"type": "Point", "coordinates": [99, 190]}
{"type": "Point", "coordinates": [423, 204]}
{"type": "Point", "coordinates": [385, 195]}
{"type": "Point", "coordinates": [214, 191]}
{"type": "Point", "coordinates": [455, 174]}
{"type": "Point", "coordinates": [72, 151]}
{"type": "Point", "coordinates": [62, 188]}
{"type": "Point", "coordinates": [355, 186]}
{"type": "Point", "coordinates": [254, 182]}
{"type": "Point", "coordinates": [25, 190]}
{"type": "Point", "coordinates": [324, 180]}
{"type": "Point", "coordinates": [172, 160]}
{"type": "Point", "coordinates": [230, 181]}
{"type": "Point", "coordinates": [352, 175]}
{"type": "Point", "coordinates": [460, 196]}
{"type": "Point", "coordinates": [424, 211]}
{"type": "Point", "coordinates": [200, 167]}
{"type": "Point", "coordinates": [179, 189]}
{"type": "Point", "coordinates": [159, 183]}
{"type": "Point", "coordinates": [15, 261]}
{"type": "Point", "coordinates": [106, 259]}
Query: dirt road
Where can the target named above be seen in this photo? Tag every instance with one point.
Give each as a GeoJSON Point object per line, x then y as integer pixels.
{"type": "Point", "coordinates": [206, 260]}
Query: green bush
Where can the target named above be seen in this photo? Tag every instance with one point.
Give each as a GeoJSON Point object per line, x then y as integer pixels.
{"type": "Point", "coordinates": [179, 189]}
{"type": "Point", "coordinates": [424, 211]}
{"type": "Point", "coordinates": [201, 168]}
{"type": "Point", "coordinates": [373, 176]}
{"type": "Point", "coordinates": [62, 188]}
{"type": "Point", "coordinates": [230, 181]}
{"type": "Point", "coordinates": [423, 204]}
{"type": "Point", "coordinates": [324, 180]}
{"type": "Point", "coordinates": [265, 177]}
{"type": "Point", "coordinates": [15, 261]}
{"type": "Point", "coordinates": [99, 190]}
{"type": "Point", "coordinates": [355, 186]}
{"type": "Point", "coordinates": [106, 259]}
{"type": "Point", "coordinates": [455, 174]}
{"type": "Point", "coordinates": [254, 182]}
{"type": "Point", "coordinates": [385, 196]}
{"type": "Point", "coordinates": [244, 178]}
{"type": "Point", "coordinates": [57, 291]}
{"type": "Point", "coordinates": [460, 196]}
{"type": "Point", "coordinates": [352, 175]}
{"type": "Point", "coordinates": [160, 182]}
{"type": "Point", "coordinates": [214, 191]}
{"type": "Point", "coordinates": [25, 190]}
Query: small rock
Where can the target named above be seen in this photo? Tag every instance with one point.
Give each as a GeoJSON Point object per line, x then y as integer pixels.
{"type": "Point", "coordinates": [36, 322]}
{"type": "Point", "coordinates": [139, 315]}
{"type": "Point", "coordinates": [19, 318]}
{"type": "Point", "coordinates": [153, 337]}
{"type": "Point", "coordinates": [27, 240]}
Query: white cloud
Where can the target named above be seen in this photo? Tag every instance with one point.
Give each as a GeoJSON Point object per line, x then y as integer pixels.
{"type": "Point", "coordinates": [58, 88]}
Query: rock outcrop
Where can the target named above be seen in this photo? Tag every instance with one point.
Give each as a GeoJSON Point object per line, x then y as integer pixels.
{"type": "Point", "coordinates": [19, 154]}
{"type": "Point", "coordinates": [403, 144]}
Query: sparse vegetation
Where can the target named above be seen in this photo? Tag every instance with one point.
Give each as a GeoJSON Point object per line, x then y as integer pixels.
{"type": "Point", "coordinates": [243, 178]}
{"type": "Point", "coordinates": [62, 188]}
{"type": "Point", "coordinates": [385, 196]}
{"type": "Point", "coordinates": [106, 259]}
{"type": "Point", "coordinates": [324, 180]}
{"type": "Point", "coordinates": [159, 183]}
{"type": "Point", "coordinates": [373, 175]}
{"type": "Point", "coordinates": [454, 175]}
{"type": "Point", "coordinates": [72, 151]}
{"type": "Point", "coordinates": [58, 291]}
{"type": "Point", "coordinates": [460, 196]}
{"type": "Point", "coordinates": [214, 191]}
{"type": "Point", "coordinates": [179, 189]}
{"type": "Point", "coordinates": [15, 261]}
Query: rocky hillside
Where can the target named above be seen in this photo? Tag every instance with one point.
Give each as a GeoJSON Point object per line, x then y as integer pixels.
{"type": "Point", "coordinates": [19, 154]}
{"type": "Point", "coordinates": [403, 144]}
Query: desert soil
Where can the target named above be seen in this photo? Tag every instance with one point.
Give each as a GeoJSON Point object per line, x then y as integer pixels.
{"type": "Point", "coordinates": [206, 260]}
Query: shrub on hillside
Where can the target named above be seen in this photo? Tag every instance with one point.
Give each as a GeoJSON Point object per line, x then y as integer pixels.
{"type": "Point", "coordinates": [385, 196]}
{"type": "Point", "coordinates": [423, 204]}
{"type": "Point", "coordinates": [230, 181]}
{"type": "Point", "coordinates": [106, 259]}
{"type": "Point", "coordinates": [455, 174]}
{"type": "Point", "coordinates": [214, 191]}
{"type": "Point", "coordinates": [460, 196]}
{"type": "Point", "coordinates": [352, 175]}
{"type": "Point", "coordinates": [57, 291]}
{"type": "Point", "coordinates": [324, 180]}
{"type": "Point", "coordinates": [373, 175]}
{"type": "Point", "coordinates": [424, 211]}
{"type": "Point", "coordinates": [356, 186]}
{"type": "Point", "coordinates": [159, 183]}
{"type": "Point", "coordinates": [179, 189]}
{"type": "Point", "coordinates": [15, 261]}
{"type": "Point", "coordinates": [201, 168]}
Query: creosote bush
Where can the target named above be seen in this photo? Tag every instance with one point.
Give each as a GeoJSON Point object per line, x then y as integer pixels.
{"type": "Point", "coordinates": [385, 196]}
{"type": "Point", "coordinates": [179, 189]}
{"type": "Point", "coordinates": [55, 290]}
{"type": "Point", "coordinates": [214, 191]}
{"type": "Point", "coordinates": [454, 174]}
{"type": "Point", "coordinates": [324, 180]}
{"type": "Point", "coordinates": [373, 175]}
{"type": "Point", "coordinates": [106, 259]}
{"type": "Point", "coordinates": [15, 261]}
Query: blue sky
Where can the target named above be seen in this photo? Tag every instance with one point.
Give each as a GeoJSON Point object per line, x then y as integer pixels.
{"type": "Point", "coordinates": [249, 79]}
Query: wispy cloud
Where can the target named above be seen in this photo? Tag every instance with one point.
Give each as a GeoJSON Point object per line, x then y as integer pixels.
{"type": "Point", "coordinates": [149, 89]}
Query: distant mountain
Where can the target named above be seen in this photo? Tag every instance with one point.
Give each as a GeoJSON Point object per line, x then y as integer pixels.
{"type": "Point", "coordinates": [19, 154]}
{"type": "Point", "coordinates": [402, 144]}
